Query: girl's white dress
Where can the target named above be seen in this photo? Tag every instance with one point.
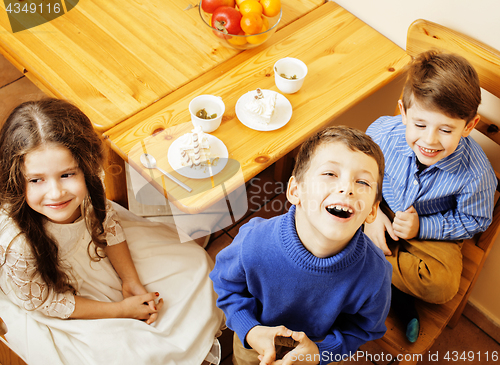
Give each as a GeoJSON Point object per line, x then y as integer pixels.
{"type": "Point", "coordinates": [38, 331]}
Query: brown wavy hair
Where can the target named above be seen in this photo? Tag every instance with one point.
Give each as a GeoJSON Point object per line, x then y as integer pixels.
{"type": "Point", "coordinates": [445, 82]}
{"type": "Point", "coordinates": [33, 124]}
{"type": "Point", "coordinates": [354, 139]}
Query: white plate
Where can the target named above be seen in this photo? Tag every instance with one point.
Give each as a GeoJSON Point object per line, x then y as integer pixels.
{"type": "Point", "coordinates": [217, 148]}
{"type": "Point", "coordinates": [281, 116]}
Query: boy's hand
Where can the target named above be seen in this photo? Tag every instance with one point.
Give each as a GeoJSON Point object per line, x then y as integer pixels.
{"type": "Point", "coordinates": [406, 224]}
{"type": "Point", "coordinates": [261, 339]}
{"type": "Point", "coordinates": [376, 231]}
{"type": "Point", "coordinates": [305, 350]}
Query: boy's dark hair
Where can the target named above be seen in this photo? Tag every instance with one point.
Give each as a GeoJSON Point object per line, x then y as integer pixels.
{"type": "Point", "coordinates": [353, 138]}
{"type": "Point", "coordinates": [50, 122]}
{"type": "Point", "coordinates": [444, 82]}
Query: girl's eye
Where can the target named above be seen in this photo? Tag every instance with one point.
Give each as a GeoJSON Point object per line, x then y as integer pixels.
{"type": "Point", "coordinates": [330, 174]}
{"type": "Point", "coordinates": [64, 176]}
{"type": "Point", "coordinates": [34, 181]}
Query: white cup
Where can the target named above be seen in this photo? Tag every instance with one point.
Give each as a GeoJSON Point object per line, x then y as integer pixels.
{"type": "Point", "coordinates": [212, 105]}
{"type": "Point", "coordinates": [290, 67]}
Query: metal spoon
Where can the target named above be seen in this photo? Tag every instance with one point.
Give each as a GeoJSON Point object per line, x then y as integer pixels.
{"type": "Point", "coordinates": [149, 162]}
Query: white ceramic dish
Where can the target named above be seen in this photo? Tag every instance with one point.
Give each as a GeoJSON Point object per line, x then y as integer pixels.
{"type": "Point", "coordinates": [217, 148]}
{"type": "Point", "coordinates": [289, 66]}
{"type": "Point", "coordinates": [281, 116]}
{"type": "Point", "coordinates": [212, 104]}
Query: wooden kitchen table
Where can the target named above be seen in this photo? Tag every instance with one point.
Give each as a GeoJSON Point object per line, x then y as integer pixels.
{"type": "Point", "coordinates": [347, 61]}
{"type": "Point", "coordinates": [113, 58]}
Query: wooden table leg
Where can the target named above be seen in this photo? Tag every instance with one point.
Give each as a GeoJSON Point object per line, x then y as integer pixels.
{"type": "Point", "coordinates": [284, 166]}
{"type": "Point", "coordinates": [115, 178]}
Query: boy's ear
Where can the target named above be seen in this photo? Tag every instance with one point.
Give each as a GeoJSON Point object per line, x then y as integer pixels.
{"type": "Point", "coordinates": [402, 110]}
{"type": "Point", "coordinates": [292, 191]}
{"type": "Point", "coordinates": [469, 127]}
{"type": "Point", "coordinates": [373, 213]}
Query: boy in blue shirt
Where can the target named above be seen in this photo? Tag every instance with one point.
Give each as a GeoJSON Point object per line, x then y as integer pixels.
{"type": "Point", "coordinates": [311, 274]}
{"type": "Point", "coordinates": [438, 183]}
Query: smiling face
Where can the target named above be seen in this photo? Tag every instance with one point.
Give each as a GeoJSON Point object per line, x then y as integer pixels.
{"type": "Point", "coordinates": [337, 195]}
{"type": "Point", "coordinates": [433, 135]}
{"type": "Point", "coordinates": [55, 184]}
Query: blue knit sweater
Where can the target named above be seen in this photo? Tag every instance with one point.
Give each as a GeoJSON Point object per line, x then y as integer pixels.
{"type": "Point", "coordinates": [267, 277]}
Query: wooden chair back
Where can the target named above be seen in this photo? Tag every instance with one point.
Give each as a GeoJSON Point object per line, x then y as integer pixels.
{"type": "Point", "coordinates": [424, 35]}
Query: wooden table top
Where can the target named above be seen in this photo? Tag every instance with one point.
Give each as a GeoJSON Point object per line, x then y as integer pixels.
{"type": "Point", "coordinates": [114, 58]}
{"type": "Point", "coordinates": [347, 61]}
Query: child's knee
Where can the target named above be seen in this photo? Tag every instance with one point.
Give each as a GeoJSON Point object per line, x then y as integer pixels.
{"type": "Point", "coordinates": [442, 290]}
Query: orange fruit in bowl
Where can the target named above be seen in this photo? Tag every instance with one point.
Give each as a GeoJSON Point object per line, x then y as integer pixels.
{"type": "Point", "coordinates": [238, 2]}
{"type": "Point", "coordinates": [251, 23]}
{"type": "Point", "coordinates": [238, 41]}
{"type": "Point", "coordinates": [259, 38]}
{"type": "Point", "coordinates": [250, 6]}
{"type": "Point", "coordinates": [270, 8]}
{"type": "Point", "coordinates": [265, 21]}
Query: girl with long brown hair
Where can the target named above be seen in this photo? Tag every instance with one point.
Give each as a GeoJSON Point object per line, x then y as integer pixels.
{"type": "Point", "coordinates": [67, 252]}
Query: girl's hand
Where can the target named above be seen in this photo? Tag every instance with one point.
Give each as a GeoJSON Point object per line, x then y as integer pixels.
{"type": "Point", "coordinates": [140, 307]}
{"type": "Point", "coordinates": [406, 224]}
{"type": "Point", "coordinates": [304, 351]}
{"type": "Point", "coordinates": [133, 288]}
{"type": "Point", "coordinates": [261, 339]}
{"type": "Point", "coordinates": [122, 262]}
{"type": "Point", "coordinates": [376, 231]}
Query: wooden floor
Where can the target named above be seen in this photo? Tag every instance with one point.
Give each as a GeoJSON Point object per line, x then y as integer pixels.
{"type": "Point", "coordinates": [266, 198]}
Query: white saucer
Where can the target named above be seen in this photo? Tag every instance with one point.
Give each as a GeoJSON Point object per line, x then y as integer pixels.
{"type": "Point", "coordinates": [281, 116]}
{"type": "Point", "coordinates": [217, 148]}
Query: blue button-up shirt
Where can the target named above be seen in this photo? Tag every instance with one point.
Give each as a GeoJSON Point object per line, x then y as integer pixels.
{"type": "Point", "coordinates": [453, 197]}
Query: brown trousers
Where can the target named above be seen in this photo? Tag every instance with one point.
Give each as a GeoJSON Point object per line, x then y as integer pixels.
{"type": "Point", "coordinates": [429, 270]}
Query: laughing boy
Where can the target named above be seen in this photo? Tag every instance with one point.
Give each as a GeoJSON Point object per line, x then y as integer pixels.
{"type": "Point", "coordinates": [311, 274]}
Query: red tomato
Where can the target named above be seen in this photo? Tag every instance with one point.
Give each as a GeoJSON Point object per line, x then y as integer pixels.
{"type": "Point", "coordinates": [209, 6]}
{"type": "Point", "coordinates": [227, 20]}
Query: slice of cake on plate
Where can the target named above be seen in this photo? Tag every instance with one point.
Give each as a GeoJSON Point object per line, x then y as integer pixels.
{"type": "Point", "coordinates": [262, 105]}
{"type": "Point", "coordinates": [195, 149]}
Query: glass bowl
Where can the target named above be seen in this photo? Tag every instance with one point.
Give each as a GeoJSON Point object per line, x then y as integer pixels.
{"type": "Point", "coordinates": [240, 41]}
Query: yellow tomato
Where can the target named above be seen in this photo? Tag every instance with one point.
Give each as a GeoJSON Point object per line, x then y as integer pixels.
{"type": "Point", "coordinates": [260, 38]}
{"type": "Point", "coordinates": [250, 6]}
{"type": "Point", "coordinates": [238, 41]}
{"type": "Point", "coordinates": [251, 23]}
{"type": "Point", "coordinates": [270, 8]}
{"type": "Point", "coordinates": [238, 2]}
